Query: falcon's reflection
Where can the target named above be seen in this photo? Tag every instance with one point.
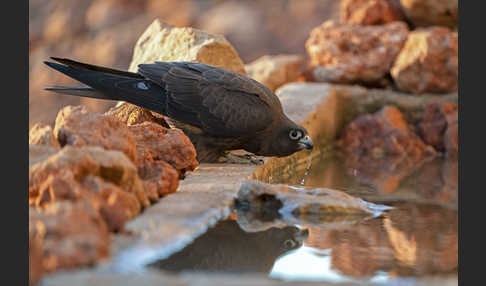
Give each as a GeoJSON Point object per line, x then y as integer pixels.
{"type": "Point", "coordinates": [227, 248]}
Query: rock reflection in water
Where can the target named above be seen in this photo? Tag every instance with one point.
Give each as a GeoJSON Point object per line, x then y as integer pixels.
{"type": "Point", "coordinates": [387, 180]}
{"type": "Point", "coordinates": [409, 240]}
{"type": "Point", "coordinates": [227, 248]}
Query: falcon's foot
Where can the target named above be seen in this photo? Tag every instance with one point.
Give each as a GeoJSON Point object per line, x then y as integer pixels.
{"type": "Point", "coordinates": [231, 158]}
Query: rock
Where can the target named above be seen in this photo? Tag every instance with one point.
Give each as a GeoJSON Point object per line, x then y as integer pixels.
{"type": "Point", "coordinates": [117, 206]}
{"type": "Point", "coordinates": [38, 153]}
{"type": "Point", "coordinates": [435, 123]}
{"type": "Point", "coordinates": [424, 252]}
{"type": "Point", "coordinates": [73, 234]}
{"type": "Point", "coordinates": [131, 114]}
{"type": "Point", "coordinates": [159, 178]}
{"type": "Point", "coordinates": [381, 176]}
{"type": "Point", "coordinates": [434, 182]}
{"type": "Point", "coordinates": [382, 134]}
{"type": "Point", "coordinates": [36, 268]}
{"type": "Point", "coordinates": [428, 62]}
{"type": "Point", "coordinates": [163, 42]}
{"type": "Point", "coordinates": [395, 242]}
{"type": "Point", "coordinates": [77, 127]}
{"type": "Point", "coordinates": [267, 202]}
{"type": "Point", "coordinates": [424, 13]}
{"type": "Point", "coordinates": [155, 142]}
{"type": "Point", "coordinates": [343, 53]}
{"type": "Point", "coordinates": [42, 135]}
{"type": "Point", "coordinates": [112, 166]}
{"type": "Point", "coordinates": [57, 187]}
{"type": "Point", "coordinates": [451, 135]}
{"type": "Point", "coordinates": [365, 12]}
{"type": "Point", "coordinates": [274, 71]}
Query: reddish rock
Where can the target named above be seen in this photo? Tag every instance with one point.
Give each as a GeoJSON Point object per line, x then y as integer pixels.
{"type": "Point", "coordinates": [160, 178]}
{"type": "Point", "coordinates": [362, 250]}
{"type": "Point", "coordinates": [428, 62]}
{"type": "Point", "coordinates": [117, 206]}
{"type": "Point", "coordinates": [395, 243]}
{"type": "Point", "coordinates": [424, 13]}
{"type": "Point", "coordinates": [73, 234]}
{"type": "Point", "coordinates": [275, 71]}
{"type": "Point", "coordinates": [57, 187]}
{"type": "Point", "coordinates": [451, 135]}
{"type": "Point", "coordinates": [42, 135]}
{"type": "Point", "coordinates": [366, 12]}
{"type": "Point", "coordinates": [111, 166]}
{"type": "Point", "coordinates": [38, 153]}
{"type": "Point", "coordinates": [439, 126]}
{"type": "Point", "coordinates": [384, 133]}
{"type": "Point", "coordinates": [131, 114]}
{"type": "Point", "coordinates": [344, 53]}
{"type": "Point", "coordinates": [157, 143]}
{"type": "Point", "coordinates": [384, 175]}
{"type": "Point", "coordinates": [78, 127]}
{"type": "Point", "coordinates": [419, 252]}
{"type": "Point", "coordinates": [36, 268]}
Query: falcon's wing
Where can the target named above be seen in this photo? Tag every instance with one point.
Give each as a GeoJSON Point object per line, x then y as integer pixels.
{"type": "Point", "coordinates": [221, 102]}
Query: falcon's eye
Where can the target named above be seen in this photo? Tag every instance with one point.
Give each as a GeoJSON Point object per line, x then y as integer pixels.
{"type": "Point", "coordinates": [289, 243]}
{"type": "Point", "coordinates": [295, 134]}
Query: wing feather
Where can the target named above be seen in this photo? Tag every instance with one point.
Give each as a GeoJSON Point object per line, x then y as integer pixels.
{"type": "Point", "coordinates": [221, 102]}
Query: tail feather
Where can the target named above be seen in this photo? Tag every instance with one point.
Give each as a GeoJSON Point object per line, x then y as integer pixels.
{"type": "Point", "coordinates": [104, 83]}
{"type": "Point", "coordinates": [75, 64]}
{"type": "Point", "coordinates": [84, 91]}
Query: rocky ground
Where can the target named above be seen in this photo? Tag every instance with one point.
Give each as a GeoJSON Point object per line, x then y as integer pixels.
{"type": "Point", "coordinates": [377, 82]}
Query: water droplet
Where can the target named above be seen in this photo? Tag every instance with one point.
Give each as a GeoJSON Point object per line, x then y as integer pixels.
{"type": "Point", "coordinates": [307, 170]}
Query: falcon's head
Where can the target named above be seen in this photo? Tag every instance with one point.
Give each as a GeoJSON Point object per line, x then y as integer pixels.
{"type": "Point", "coordinates": [290, 138]}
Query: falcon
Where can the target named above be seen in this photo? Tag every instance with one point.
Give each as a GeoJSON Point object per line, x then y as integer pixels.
{"type": "Point", "coordinates": [219, 110]}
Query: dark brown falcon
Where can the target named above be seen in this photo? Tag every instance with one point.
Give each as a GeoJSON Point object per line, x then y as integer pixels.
{"type": "Point", "coordinates": [218, 109]}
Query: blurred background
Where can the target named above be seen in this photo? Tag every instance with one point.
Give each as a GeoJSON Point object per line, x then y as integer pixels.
{"type": "Point", "coordinates": [104, 32]}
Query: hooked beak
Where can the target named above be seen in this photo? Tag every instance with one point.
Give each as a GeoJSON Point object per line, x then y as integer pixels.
{"type": "Point", "coordinates": [301, 235]}
{"type": "Point", "coordinates": [306, 143]}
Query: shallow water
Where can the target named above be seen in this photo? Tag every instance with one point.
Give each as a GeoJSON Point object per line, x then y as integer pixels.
{"type": "Point", "coordinates": [417, 238]}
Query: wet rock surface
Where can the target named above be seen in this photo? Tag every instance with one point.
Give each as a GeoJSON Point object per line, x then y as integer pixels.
{"type": "Point", "coordinates": [364, 12]}
{"type": "Point", "coordinates": [161, 42]}
{"type": "Point", "coordinates": [275, 71]}
{"type": "Point", "coordinates": [76, 126]}
{"type": "Point", "coordinates": [343, 53]}
{"type": "Point", "coordinates": [428, 62]}
{"type": "Point", "coordinates": [267, 202]}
